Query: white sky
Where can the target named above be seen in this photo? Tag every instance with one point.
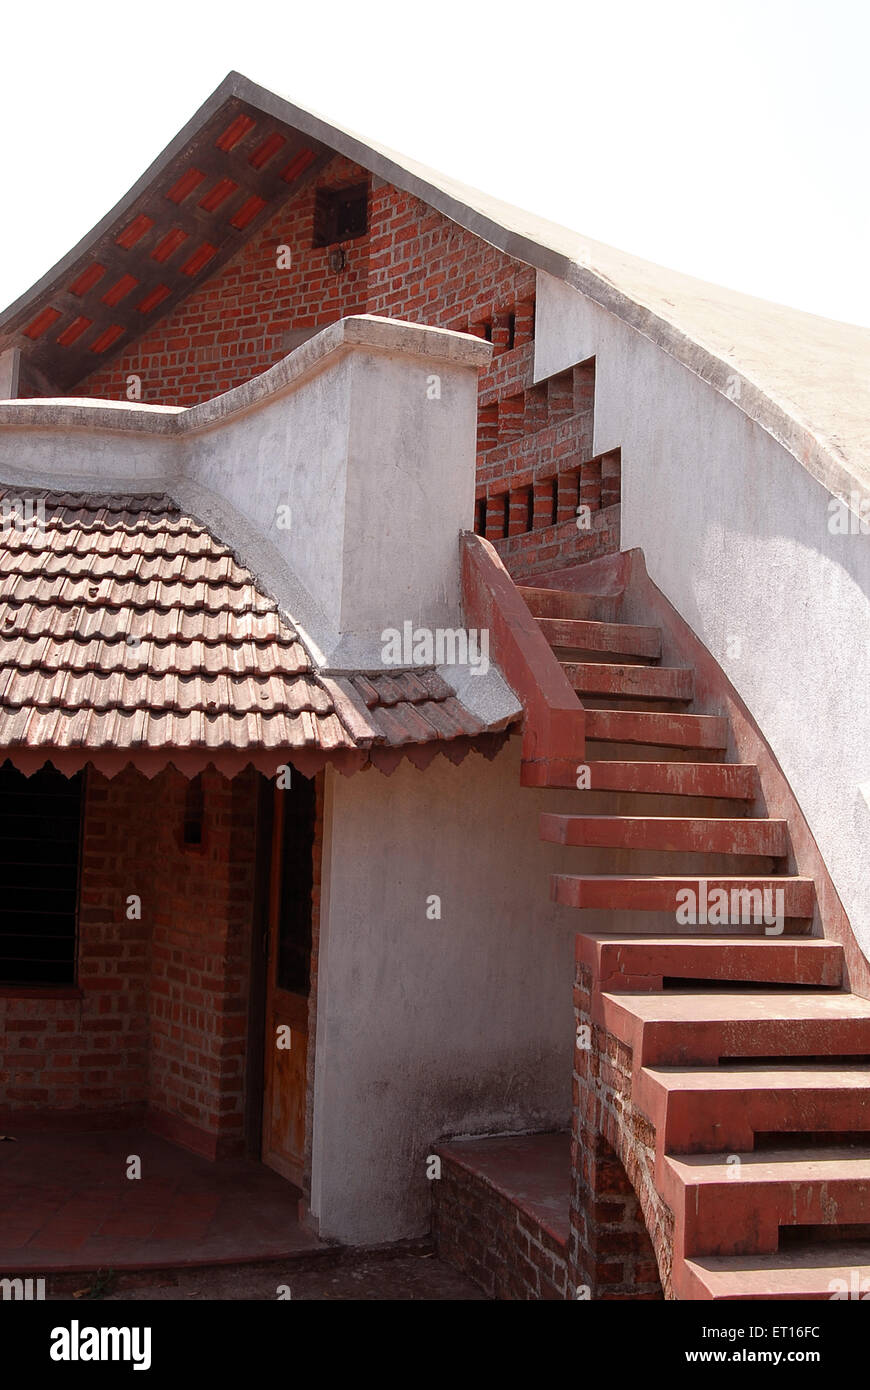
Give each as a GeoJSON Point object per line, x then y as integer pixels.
{"type": "Point", "coordinates": [724, 138]}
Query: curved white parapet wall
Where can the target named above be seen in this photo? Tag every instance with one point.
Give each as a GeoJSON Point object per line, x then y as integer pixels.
{"type": "Point", "coordinates": [744, 542]}
{"type": "Point", "coordinates": [341, 477]}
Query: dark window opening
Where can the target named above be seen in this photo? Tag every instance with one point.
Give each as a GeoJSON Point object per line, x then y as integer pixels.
{"type": "Point", "coordinates": [512, 330]}
{"type": "Point", "coordinates": [487, 330]}
{"type": "Point", "coordinates": [40, 833]}
{"type": "Point", "coordinates": [194, 812]}
{"type": "Point", "coordinates": [297, 879]}
{"type": "Point", "coordinates": [340, 214]}
{"type": "Point", "coordinates": [530, 509]}
{"type": "Point", "coordinates": [480, 526]}
{"type": "Point", "coordinates": [554, 502]}
{"type": "Point", "coordinates": [506, 515]}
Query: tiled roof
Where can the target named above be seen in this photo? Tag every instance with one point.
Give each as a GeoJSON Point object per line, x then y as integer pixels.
{"type": "Point", "coordinates": [125, 625]}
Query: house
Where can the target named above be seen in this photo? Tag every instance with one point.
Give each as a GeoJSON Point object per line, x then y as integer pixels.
{"type": "Point", "coordinates": [394, 918]}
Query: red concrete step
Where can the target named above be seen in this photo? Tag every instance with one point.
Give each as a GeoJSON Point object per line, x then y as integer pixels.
{"type": "Point", "coordinates": [660, 728]}
{"type": "Point", "coordinates": [700, 835]}
{"type": "Point", "coordinates": [732, 781]}
{"type": "Point", "coordinates": [706, 1109]}
{"type": "Point", "coordinates": [624, 639]}
{"type": "Point", "coordinates": [563, 603]}
{"type": "Point", "coordinates": [806, 1272]}
{"type": "Point", "coordinates": [718, 1213]}
{"type": "Point", "coordinates": [635, 963]}
{"type": "Point", "coordinates": [639, 682]}
{"type": "Point", "coordinates": [684, 1028]}
{"type": "Point", "coordinates": [646, 892]}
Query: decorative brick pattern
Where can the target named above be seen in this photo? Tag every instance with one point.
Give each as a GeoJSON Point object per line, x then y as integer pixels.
{"type": "Point", "coordinates": [482, 1233]}
{"type": "Point", "coordinates": [415, 264]}
{"type": "Point", "coordinates": [237, 323]}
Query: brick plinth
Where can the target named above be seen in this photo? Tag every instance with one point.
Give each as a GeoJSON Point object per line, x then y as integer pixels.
{"type": "Point", "coordinates": [487, 1225]}
{"type": "Point", "coordinates": [621, 1231]}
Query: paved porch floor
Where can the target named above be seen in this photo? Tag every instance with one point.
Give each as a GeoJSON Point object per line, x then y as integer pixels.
{"type": "Point", "coordinates": [66, 1203]}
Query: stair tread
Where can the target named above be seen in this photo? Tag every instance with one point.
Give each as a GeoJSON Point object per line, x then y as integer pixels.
{"type": "Point", "coordinates": [758, 880]}
{"type": "Point", "coordinates": [590, 668]}
{"type": "Point", "coordinates": [797, 1271]}
{"type": "Point", "coordinates": [728, 1077]}
{"type": "Point", "coordinates": [811, 1165]}
{"type": "Point", "coordinates": [690, 943]}
{"type": "Point", "coordinates": [724, 1006]}
{"type": "Point", "coordinates": [602, 817]}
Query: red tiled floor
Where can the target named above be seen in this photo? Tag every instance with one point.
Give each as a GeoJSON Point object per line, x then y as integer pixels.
{"type": "Point", "coordinates": [66, 1203]}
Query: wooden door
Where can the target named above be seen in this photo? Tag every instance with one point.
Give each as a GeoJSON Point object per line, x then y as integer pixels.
{"type": "Point", "coordinates": [288, 979]}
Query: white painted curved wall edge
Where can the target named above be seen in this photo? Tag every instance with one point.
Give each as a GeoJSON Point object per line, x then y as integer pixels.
{"type": "Point", "coordinates": [743, 541]}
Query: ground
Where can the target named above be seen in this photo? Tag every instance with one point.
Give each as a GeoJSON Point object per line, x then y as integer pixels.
{"type": "Point", "coordinates": [420, 1277]}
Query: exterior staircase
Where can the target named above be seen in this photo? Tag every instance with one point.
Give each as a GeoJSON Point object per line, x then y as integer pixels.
{"type": "Point", "coordinates": [749, 1057]}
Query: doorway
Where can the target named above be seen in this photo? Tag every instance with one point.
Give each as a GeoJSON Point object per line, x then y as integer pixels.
{"type": "Point", "coordinates": [288, 977]}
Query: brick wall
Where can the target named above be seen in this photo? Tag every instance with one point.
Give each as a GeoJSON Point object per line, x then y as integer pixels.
{"type": "Point", "coordinates": [89, 1053]}
{"type": "Point", "coordinates": [158, 1019]}
{"type": "Point", "coordinates": [621, 1230]}
{"type": "Point", "coordinates": [535, 463]}
{"type": "Point", "coordinates": [236, 324]}
{"type": "Point", "coordinates": [202, 901]}
{"type": "Point", "coordinates": [501, 1248]}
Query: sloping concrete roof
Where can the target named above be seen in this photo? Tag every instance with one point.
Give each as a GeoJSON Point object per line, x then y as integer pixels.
{"type": "Point", "coordinates": [804, 379]}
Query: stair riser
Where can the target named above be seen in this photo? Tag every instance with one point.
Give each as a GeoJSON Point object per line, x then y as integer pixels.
{"type": "Point", "coordinates": [559, 604]}
{"type": "Point", "coordinates": [808, 974]}
{"type": "Point", "coordinates": [729, 781]}
{"type": "Point", "coordinates": [660, 729]}
{"type": "Point", "coordinates": [718, 1122]}
{"type": "Point", "coordinates": [617, 963]}
{"type": "Point", "coordinates": [767, 838]}
{"type": "Point", "coordinates": [617, 638]}
{"type": "Point", "coordinates": [744, 1218]}
{"type": "Point", "coordinates": [705, 1044]}
{"type": "Point", "coordinates": [643, 682]}
{"type": "Point", "coordinates": [794, 898]}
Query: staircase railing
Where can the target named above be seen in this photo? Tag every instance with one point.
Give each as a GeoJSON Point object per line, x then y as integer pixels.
{"type": "Point", "coordinates": [554, 723]}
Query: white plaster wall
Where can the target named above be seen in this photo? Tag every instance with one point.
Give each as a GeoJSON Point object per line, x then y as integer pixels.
{"type": "Point", "coordinates": [366, 433]}
{"type": "Point", "coordinates": [735, 533]}
{"type": "Point", "coordinates": [427, 1028]}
